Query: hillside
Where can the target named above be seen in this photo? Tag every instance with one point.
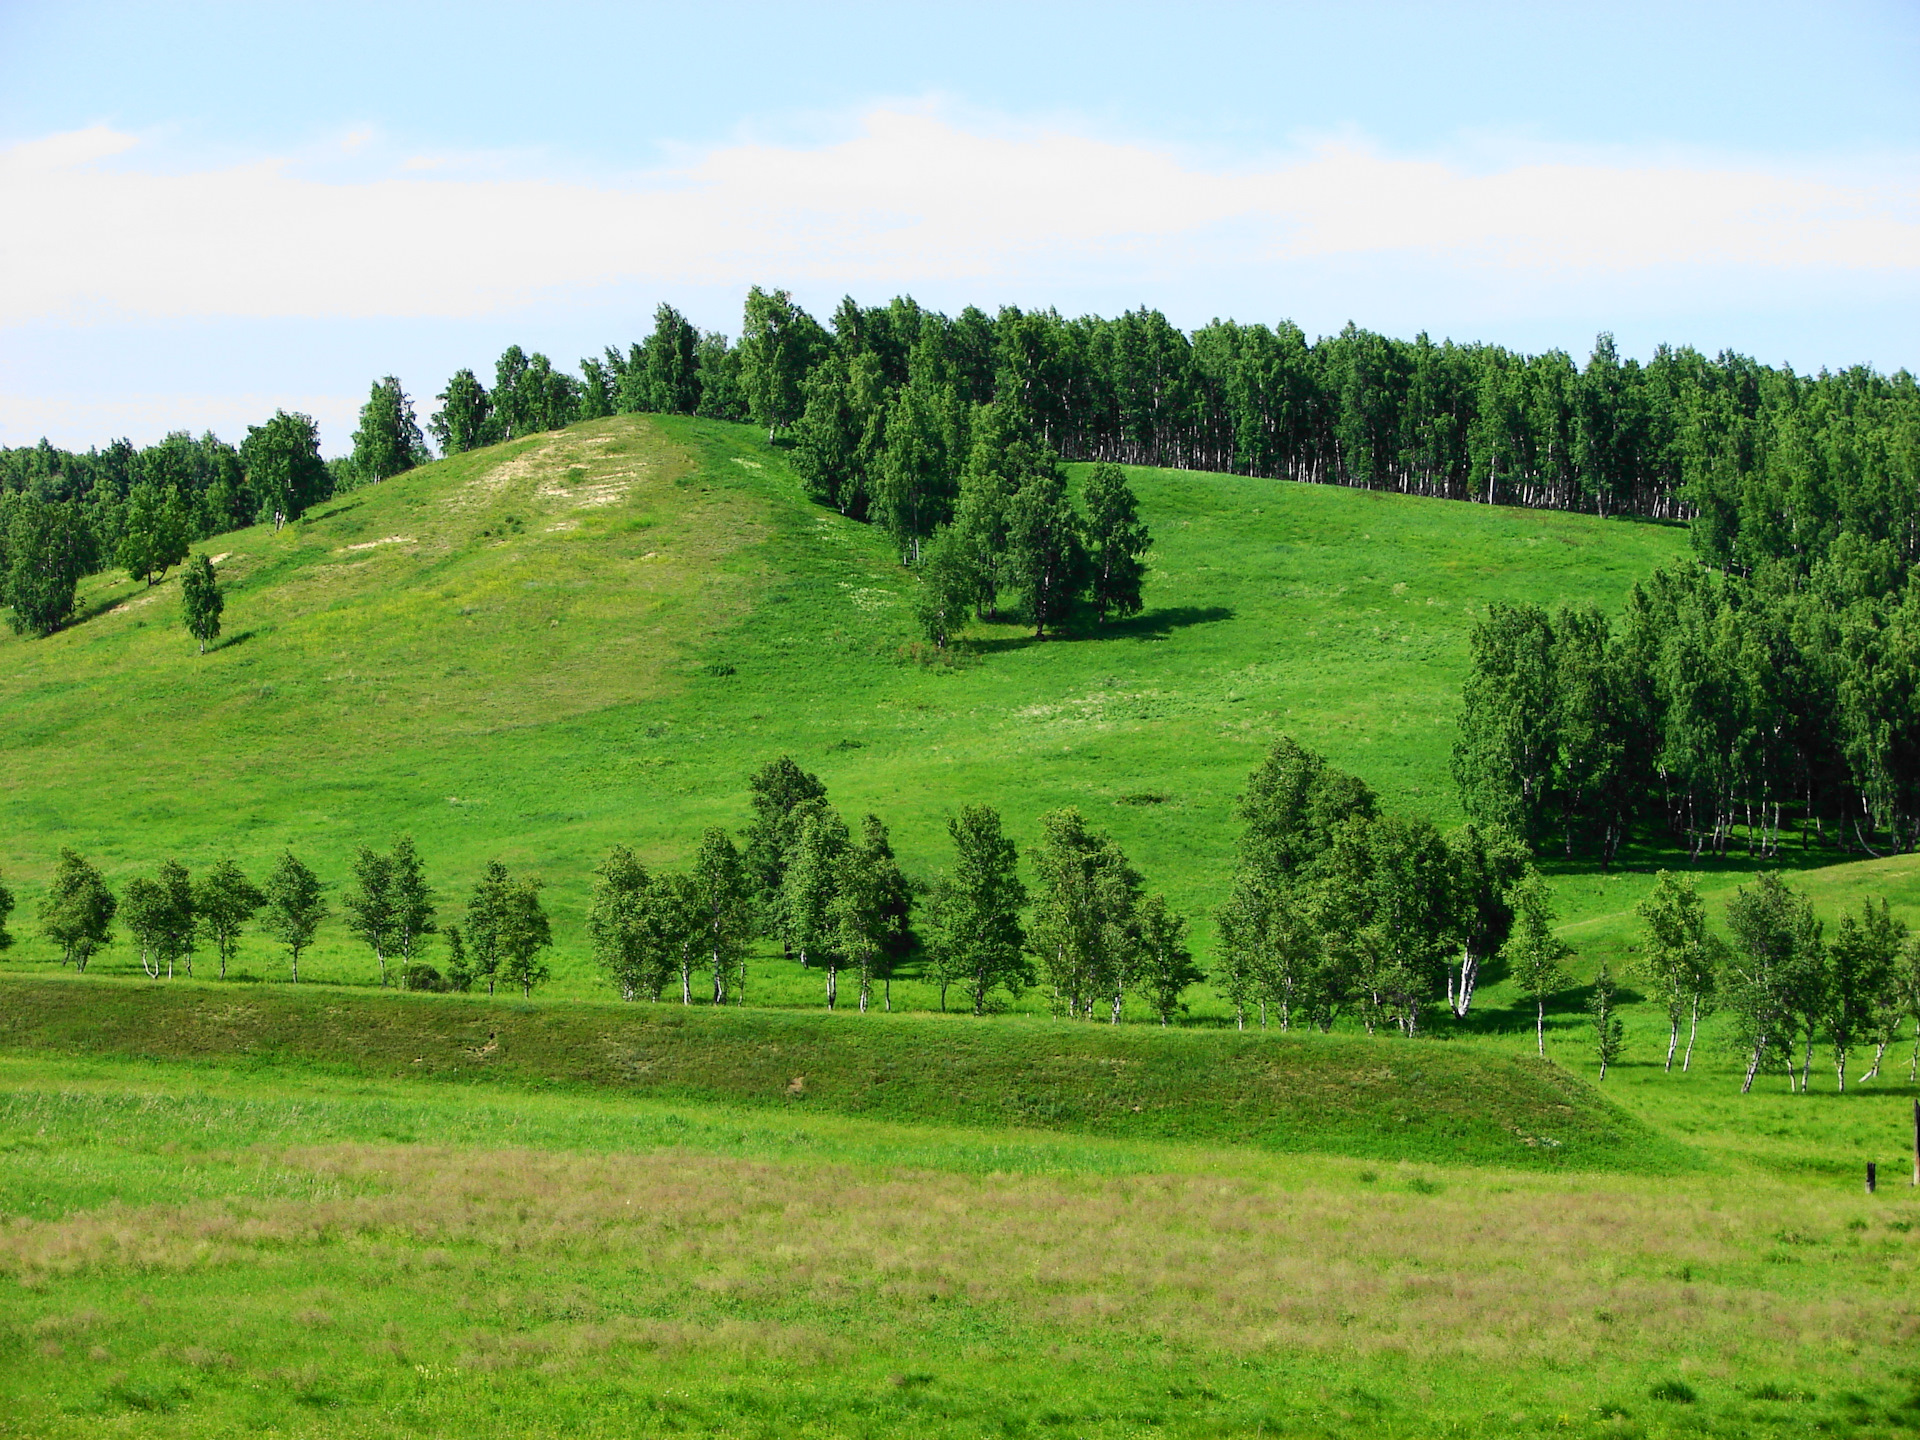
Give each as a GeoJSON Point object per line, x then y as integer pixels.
{"type": "Point", "coordinates": [539, 650]}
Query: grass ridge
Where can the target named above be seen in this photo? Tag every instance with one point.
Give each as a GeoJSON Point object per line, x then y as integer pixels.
{"type": "Point", "coordinates": [1368, 1098]}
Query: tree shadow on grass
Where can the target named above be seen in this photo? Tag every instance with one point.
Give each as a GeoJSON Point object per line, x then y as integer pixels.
{"type": "Point", "coordinates": [1160, 624]}
{"type": "Point", "coordinates": [227, 642]}
{"type": "Point", "coordinates": [336, 510]}
{"type": "Point", "coordinates": [1153, 625]}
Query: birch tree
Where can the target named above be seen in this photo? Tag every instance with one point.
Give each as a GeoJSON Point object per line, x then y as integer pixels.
{"type": "Point", "coordinates": [1536, 957]}
{"type": "Point", "coordinates": [726, 908]}
{"type": "Point", "coordinates": [869, 907]}
{"type": "Point", "coordinates": [976, 920]}
{"type": "Point", "coordinates": [1776, 952]}
{"type": "Point", "coordinates": [486, 917]}
{"type": "Point", "coordinates": [1488, 860]}
{"type": "Point", "coordinates": [1680, 959]}
{"type": "Point", "coordinates": [369, 904]}
{"type": "Point", "coordinates": [413, 911]}
{"type": "Point", "coordinates": [226, 901]}
{"type": "Point", "coordinates": [1166, 967]}
{"type": "Point", "coordinates": [1861, 976]}
{"type": "Point", "coordinates": [1609, 1032]}
{"type": "Point", "coordinates": [294, 908]}
{"type": "Point", "coordinates": [78, 909]}
{"type": "Point", "coordinates": [812, 881]}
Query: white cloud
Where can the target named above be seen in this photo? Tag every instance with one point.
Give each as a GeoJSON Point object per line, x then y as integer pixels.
{"type": "Point", "coordinates": [913, 198]}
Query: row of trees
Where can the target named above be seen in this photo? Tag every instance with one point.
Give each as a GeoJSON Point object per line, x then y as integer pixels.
{"type": "Point", "coordinates": [173, 915]}
{"type": "Point", "coordinates": [882, 404]}
{"type": "Point", "coordinates": [1754, 452]}
{"type": "Point", "coordinates": [837, 901]}
{"type": "Point", "coordinates": [1785, 985]}
{"type": "Point", "coordinates": [1336, 909]}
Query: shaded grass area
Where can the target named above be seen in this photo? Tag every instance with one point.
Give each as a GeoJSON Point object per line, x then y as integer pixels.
{"type": "Point", "coordinates": [291, 1250]}
{"type": "Point", "coordinates": [1451, 1104]}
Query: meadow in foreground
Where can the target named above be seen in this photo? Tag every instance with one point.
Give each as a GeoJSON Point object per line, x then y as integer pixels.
{"type": "Point", "coordinates": [205, 1252]}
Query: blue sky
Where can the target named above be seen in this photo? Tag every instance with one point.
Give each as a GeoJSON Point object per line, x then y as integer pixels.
{"type": "Point", "coordinates": [213, 210]}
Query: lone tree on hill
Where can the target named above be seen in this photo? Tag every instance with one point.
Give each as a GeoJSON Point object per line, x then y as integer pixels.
{"type": "Point", "coordinates": [77, 911]}
{"type": "Point", "coordinates": [201, 601]}
{"type": "Point", "coordinates": [226, 900]}
{"type": "Point", "coordinates": [294, 908]}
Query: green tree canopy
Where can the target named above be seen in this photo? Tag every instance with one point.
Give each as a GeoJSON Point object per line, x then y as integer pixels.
{"type": "Point", "coordinates": [77, 911]}
{"type": "Point", "coordinates": [226, 901]}
{"type": "Point", "coordinates": [201, 601]}
{"type": "Point", "coordinates": [294, 907]}
{"type": "Point", "coordinates": [284, 468]}
{"type": "Point", "coordinates": [388, 440]}
{"type": "Point", "coordinates": [977, 936]}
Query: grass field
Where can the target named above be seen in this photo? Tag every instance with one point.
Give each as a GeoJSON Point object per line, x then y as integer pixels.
{"type": "Point", "coordinates": [251, 1207]}
{"type": "Point", "coordinates": [198, 1250]}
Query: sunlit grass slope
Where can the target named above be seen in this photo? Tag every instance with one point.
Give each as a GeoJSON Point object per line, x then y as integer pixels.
{"type": "Point", "coordinates": [539, 650]}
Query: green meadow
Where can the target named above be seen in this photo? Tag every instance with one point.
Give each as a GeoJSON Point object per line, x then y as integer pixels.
{"type": "Point", "coordinates": [248, 1207]}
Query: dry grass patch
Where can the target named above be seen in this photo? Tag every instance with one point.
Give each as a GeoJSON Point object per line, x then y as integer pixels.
{"type": "Point", "coordinates": [1563, 1273]}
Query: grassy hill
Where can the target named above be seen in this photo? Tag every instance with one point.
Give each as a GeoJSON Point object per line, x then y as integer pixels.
{"type": "Point", "coordinates": [590, 637]}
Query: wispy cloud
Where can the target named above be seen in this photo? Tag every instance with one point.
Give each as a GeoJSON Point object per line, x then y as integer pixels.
{"type": "Point", "coordinates": [912, 197]}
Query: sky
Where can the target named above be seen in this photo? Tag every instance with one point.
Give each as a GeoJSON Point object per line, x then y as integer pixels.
{"type": "Point", "coordinates": [211, 211]}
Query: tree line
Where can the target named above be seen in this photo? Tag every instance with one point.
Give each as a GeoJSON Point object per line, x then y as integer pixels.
{"type": "Point", "coordinates": [881, 406]}
{"type": "Point", "coordinates": [1336, 910]}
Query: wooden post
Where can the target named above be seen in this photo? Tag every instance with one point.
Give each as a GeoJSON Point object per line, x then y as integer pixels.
{"type": "Point", "coordinates": [1870, 1177]}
